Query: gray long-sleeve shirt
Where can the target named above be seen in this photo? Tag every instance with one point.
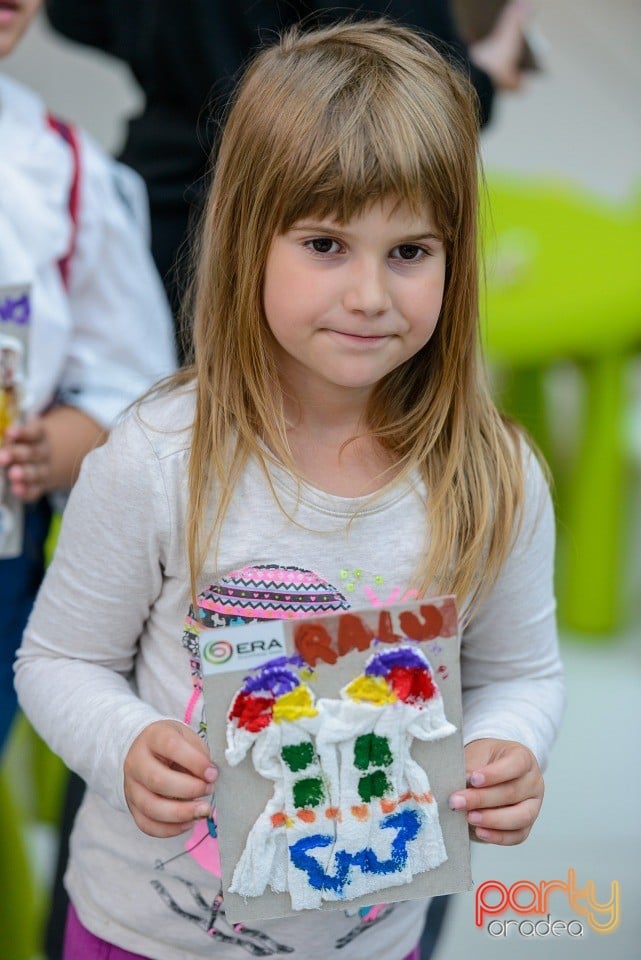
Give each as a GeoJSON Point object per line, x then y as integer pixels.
{"type": "Point", "coordinates": [106, 653]}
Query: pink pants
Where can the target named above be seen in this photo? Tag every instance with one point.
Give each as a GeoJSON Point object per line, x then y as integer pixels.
{"type": "Point", "coordinates": [82, 945]}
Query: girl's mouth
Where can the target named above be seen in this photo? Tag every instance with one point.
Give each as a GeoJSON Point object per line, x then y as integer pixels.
{"type": "Point", "coordinates": [357, 338]}
{"type": "Point", "coordinates": [8, 10]}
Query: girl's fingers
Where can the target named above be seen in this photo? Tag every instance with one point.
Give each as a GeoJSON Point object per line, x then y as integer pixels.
{"type": "Point", "coordinates": [177, 784]}
{"type": "Point", "coordinates": [521, 816]}
{"type": "Point", "coordinates": [509, 775]}
{"type": "Point", "coordinates": [504, 795]}
{"type": "Point", "coordinates": [168, 774]}
{"type": "Point", "coordinates": [156, 829]}
{"type": "Point", "coordinates": [504, 792]}
{"type": "Point", "coordinates": [505, 826]}
{"type": "Point", "coordinates": [170, 760]}
{"type": "Point", "coordinates": [504, 838]}
{"type": "Point", "coordinates": [181, 749]}
{"type": "Point", "coordinates": [512, 764]}
{"type": "Point", "coordinates": [164, 811]}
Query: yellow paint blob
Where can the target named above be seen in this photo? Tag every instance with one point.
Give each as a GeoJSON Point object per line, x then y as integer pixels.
{"type": "Point", "coordinates": [371, 689]}
{"type": "Point", "coordinates": [294, 705]}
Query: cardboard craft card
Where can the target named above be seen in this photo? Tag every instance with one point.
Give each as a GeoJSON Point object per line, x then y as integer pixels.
{"type": "Point", "coordinates": [338, 740]}
{"type": "Point", "coordinates": [15, 318]}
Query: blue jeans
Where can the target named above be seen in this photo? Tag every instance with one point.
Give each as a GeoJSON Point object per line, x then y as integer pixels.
{"type": "Point", "coordinates": [19, 581]}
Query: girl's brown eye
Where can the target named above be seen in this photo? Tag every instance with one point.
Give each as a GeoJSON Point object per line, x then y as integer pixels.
{"type": "Point", "coordinates": [408, 251]}
{"type": "Point", "coordinates": [322, 245]}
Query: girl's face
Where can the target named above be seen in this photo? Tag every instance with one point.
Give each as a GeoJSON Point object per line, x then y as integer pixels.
{"type": "Point", "coordinates": [15, 17]}
{"type": "Point", "coordinates": [348, 303]}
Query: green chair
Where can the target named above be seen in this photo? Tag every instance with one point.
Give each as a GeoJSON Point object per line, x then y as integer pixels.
{"type": "Point", "coordinates": [31, 787]}
{"type": "Point", "coordinates": [564, 288]}
{"type": "Point", "coordinates": [19, 904]}
{"type": "Point", "coordinates": [32, 781]}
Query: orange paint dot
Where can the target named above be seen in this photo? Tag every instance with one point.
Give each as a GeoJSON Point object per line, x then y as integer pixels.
{"type": "Point", "coordinates": [307, 816]}
{"type": "Point", "coordinates": [360, 811]}
{"type": "Point", "coordinates": [278, 819]}
{"type": "Point", "coordinates": [334, 813]}
{"type": "Point", "coordinates": [388, 805]}
{"type": "Point", "coordinates": [405, 797]}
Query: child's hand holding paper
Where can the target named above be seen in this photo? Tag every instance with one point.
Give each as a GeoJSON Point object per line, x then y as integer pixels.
{"type": "Point", "coordinates": [505, 793]}
{"type": "Point", "coordinates": [168, 775]}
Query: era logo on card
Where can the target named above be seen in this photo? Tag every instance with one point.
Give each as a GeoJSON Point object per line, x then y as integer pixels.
{"type": "Point", "coordinates": [248, 648]}
{"type": "Point", "coordinates": [218, 652]}
{"type": "Point", "coordinates": [524, 897]}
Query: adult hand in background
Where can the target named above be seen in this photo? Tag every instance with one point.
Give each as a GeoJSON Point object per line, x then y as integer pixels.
{"type": "Point", "coordinates": [499, 52]}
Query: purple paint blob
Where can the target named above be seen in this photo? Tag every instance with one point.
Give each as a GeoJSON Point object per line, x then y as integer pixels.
{"type": "Point", "coordinates": [409, 657]}
{"type": "Point", "coordinates": [276, 677]}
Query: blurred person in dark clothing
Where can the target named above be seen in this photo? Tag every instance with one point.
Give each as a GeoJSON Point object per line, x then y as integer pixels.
{"type": "Point", "coordinates": [186, 58]}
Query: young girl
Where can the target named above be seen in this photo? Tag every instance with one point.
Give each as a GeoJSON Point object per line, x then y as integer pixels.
{"type": "Point", "coordinates": [73, 231]}
{"type": "Point", "coordinates": [334, 430]}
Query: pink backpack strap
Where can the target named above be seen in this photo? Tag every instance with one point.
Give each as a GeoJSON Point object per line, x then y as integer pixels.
{"type": "Point", "coordinates": [70, 136]}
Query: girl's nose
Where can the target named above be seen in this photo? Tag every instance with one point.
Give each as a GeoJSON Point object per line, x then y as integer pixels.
{"type": "Point", "coordinates": [366, 290]}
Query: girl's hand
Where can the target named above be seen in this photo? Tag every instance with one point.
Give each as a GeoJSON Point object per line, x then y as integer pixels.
{"type": "Point", "coordinates": [168, 776]}
{"type": "Point", "coordinates": [26, 457]}
{"type": "Point", "coordinates": [505, 791]}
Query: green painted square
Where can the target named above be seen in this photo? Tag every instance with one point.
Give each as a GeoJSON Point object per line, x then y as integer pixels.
{"type": "Point", "coordinates": [373, 785]}
{"type": "Point", "coordinates": [371, 750]}
{"type": "Point", "coordinates": [309, 792]}
{"type": "Point", "coordinates": [297, 756]}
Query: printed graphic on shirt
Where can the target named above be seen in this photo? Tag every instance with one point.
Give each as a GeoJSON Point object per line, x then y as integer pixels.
{"type": "Point", "coordinates": [261, 592]}
{"type": "Point", "coordinates": [351, 811]}
{"type": "Point", "coordinates": [188, 903]}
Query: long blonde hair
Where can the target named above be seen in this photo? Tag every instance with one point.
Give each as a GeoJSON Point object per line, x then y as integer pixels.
{"type": "Point", "coordinates": [326, 123]}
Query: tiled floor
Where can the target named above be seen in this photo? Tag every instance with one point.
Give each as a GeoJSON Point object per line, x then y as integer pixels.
{"type": "Point", "coordinates": [580, 119]}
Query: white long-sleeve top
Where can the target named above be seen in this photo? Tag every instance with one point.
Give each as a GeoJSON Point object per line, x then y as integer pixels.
{"type": "Point", "coordinates": [106, 652]}
{"type": "Point", "coordinates": [105, 338]}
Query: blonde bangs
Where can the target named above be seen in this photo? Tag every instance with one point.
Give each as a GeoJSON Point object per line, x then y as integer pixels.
{"type": "Point", "coordinates": [349, 145]}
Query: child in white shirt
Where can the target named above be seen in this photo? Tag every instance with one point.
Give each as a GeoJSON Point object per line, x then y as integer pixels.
{"type": "Point", "coordinates": [74, 232]}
